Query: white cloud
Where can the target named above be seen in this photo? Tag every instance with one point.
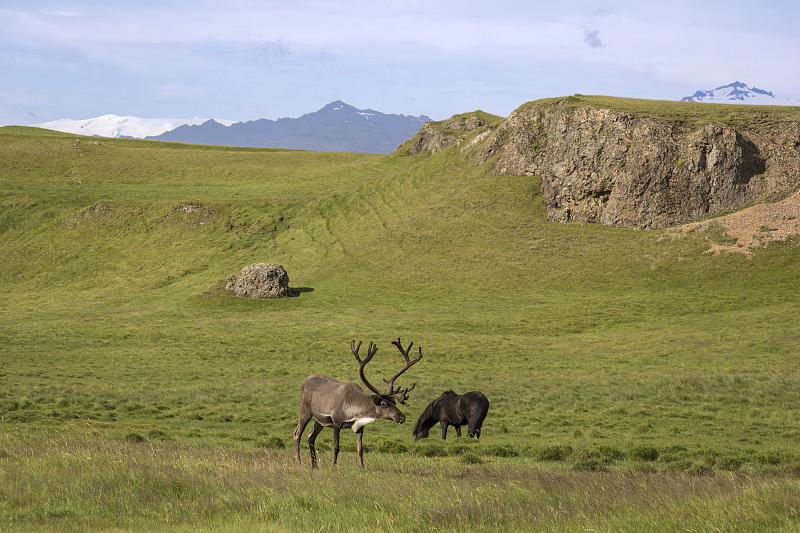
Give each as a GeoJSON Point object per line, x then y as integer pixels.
{"type": "Point", "coordinates": [62, 13]}
{"type": "Point", "coordinates": [282, 58]}
{"type": "Point", "coordinates": [267, 54]}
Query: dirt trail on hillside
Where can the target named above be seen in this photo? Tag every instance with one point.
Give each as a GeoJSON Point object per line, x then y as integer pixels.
{"type": "Point", "coordinates": [753, 227]}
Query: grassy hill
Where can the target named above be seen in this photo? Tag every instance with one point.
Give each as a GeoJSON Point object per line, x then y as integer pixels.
{"type": "Point", "coordinates": [634, 381]}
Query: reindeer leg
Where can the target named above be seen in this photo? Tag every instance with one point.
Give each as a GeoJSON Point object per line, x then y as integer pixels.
{"type": "Point", "coordinates": [359, 446]}
{"type": "Point", "coordinates": [336, 430]}
{"type": "Point", "coordinates": [298, 433]}
{"type": "Point", "coordinates": [312, 438]}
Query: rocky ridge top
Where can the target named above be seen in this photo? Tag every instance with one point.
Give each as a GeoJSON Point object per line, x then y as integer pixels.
{"type": "Point", "coordinates": [623, 169]}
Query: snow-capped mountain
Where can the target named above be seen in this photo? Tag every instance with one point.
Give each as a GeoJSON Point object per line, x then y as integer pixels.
{"type": "Point", "coordinates": [116, 126]}
{"type": "Point", "coordinates": [738, 93]}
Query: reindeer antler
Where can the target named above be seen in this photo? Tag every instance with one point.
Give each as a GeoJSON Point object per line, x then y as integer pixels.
{"type": "Point", "coordinates": [362, 363]}
{"type": "Point", "coordinates": [402, 394]}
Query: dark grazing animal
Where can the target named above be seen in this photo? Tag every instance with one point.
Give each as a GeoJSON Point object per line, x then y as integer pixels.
{"type": "Point", "coordinates": [336, 404]}
{"type": "Point", "coordinates": [454, 409]}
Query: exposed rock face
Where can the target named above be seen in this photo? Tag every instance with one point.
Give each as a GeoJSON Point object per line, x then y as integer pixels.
{"type": "Point", "coordinates": [437, 136]}
{"type": "Point", "coordinates": [599, 165]}
{"type": "Point", "coordinates": [261, 280]}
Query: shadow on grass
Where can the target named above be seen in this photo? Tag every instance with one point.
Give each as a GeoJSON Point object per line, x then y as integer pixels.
{"type": "Point", "coordinates": [296, 292]}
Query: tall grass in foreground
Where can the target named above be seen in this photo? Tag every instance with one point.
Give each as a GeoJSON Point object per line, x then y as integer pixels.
{"type": "Point", "coordinates": [89, 482]}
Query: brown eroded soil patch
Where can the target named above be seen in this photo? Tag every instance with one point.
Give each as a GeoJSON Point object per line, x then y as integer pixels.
{"type": "Point", "coordinates": [752, 227]}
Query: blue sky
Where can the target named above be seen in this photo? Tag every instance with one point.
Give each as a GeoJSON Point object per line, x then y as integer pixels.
{"type": "Point", "coordinates": [243, 60]}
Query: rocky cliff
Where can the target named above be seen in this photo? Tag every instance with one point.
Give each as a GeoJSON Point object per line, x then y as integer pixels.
{"type": "Point", "coordinates": [640, 169]}
{"type": "Point", "coordinates": [438, 136]}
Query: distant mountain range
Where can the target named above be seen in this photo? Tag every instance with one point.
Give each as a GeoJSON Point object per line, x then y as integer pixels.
{"type": "Point", "coordinates": [738, 93]}
{"type": "Point", "coordinates": [336, 127]}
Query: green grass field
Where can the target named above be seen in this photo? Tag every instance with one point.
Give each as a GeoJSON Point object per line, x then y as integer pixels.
{"type": "Point", "coordinates": [636, 384]}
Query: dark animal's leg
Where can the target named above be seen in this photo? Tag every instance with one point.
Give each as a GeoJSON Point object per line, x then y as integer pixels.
{"type": "Point", "coordinates": [359, 446]}
{"type": "Point", "coordinates": [458, 431]}
{"type": "Point", "coordinates": [471, 429]}
{"type": "Point", "coordinates": [336, 430]}
{"type": "Point", "coordinates": [312, 438]}
{"type": "Point", "coordinates": [475, 428]}
{"type": "Point", "coordinates": [298, 433]}
{"type": "Point", "coordinates": [476, 423]}
{"type": "Point", "coordinates": [444, 430]}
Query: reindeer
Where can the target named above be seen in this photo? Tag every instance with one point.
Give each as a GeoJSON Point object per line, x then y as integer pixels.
{"type": "Point", "coordinates": [338, 405]}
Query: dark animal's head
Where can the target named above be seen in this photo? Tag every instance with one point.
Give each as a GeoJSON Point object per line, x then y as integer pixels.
{"type": "Point", "coordinates": [424, 423]}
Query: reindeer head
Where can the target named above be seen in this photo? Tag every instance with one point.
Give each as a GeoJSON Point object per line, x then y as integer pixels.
{"type": "Point", "coordinates": [386, 402]}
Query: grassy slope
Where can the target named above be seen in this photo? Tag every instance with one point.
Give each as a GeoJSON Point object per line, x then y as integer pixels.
{"type": "Point", "coordinates": [599, 348]}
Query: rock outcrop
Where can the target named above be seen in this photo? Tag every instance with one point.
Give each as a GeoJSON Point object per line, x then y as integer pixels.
{"type": "Point", "coordinates": [260, 280]}
{"type": "Point", "coordinates": [438, 136]}
{"type": "Point", "coordinates": [601, 165]}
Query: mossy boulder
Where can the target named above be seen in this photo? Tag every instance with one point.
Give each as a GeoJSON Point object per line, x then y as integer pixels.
{"type": "Point", "coordinates": [260, 280]}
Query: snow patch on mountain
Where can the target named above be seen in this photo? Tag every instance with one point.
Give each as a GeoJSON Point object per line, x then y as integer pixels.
{"type": "Point", "coordinates": [738, 93]}
{"type": "Point", "coordinates": [125, 126]}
